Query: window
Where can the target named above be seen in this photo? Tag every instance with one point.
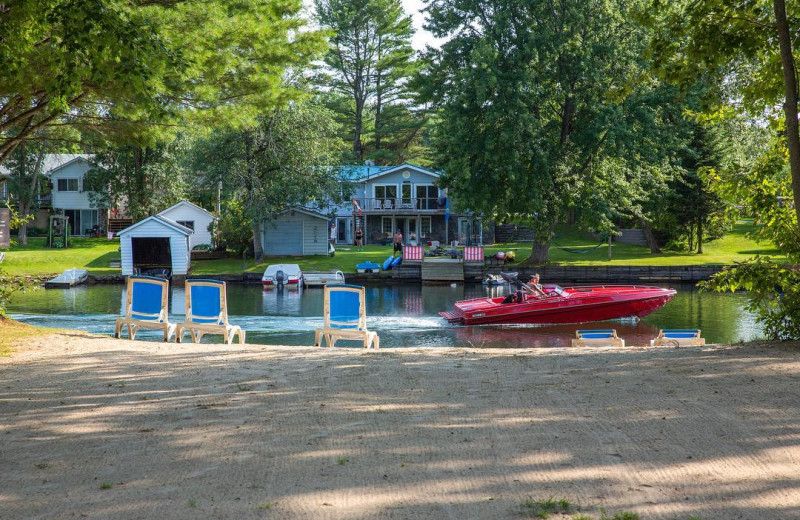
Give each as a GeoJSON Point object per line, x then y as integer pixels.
{"type": "Point", "coordinates": [386, 226]}
{"type": "Point", "coordinates": [427, 195]}
{"type": "Point", "coordinates": [186, 223]}
{"type": "Point", "coordinates": [406, 192]}
{"type": "Point", "coordinates": [67, 184]}
{"type": "Point", "coordinates": [385, 191]}
{"type": "Point", "coordinates": [425, 226]}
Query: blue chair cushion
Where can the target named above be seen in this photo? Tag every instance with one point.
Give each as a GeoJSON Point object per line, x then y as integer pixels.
{"type": "Point", "coordinates": [206, 302]}
{"type": "Point", "coordinates": [680, 335]}
{"type": "Point", "coordinates": [344, 307]}
{"type": "Point", "coordinates": [597, 335]}
{"type": "Point", "coordinates": [146, 299]}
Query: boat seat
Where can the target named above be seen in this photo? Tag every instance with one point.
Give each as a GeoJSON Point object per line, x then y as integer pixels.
{"type": "Point", "coordinates": [597, 338]}
{"type": "Point", "coordinates": [678, 338]}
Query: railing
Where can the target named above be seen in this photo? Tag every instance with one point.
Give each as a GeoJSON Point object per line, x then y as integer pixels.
{"type": "Point", "coordinates": [394, 205]}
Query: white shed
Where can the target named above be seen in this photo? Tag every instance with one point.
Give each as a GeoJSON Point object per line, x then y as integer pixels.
{"type": "Point", "coordinates": [193, 217]}
{"type": "Point", "coordinates": [155, 243]}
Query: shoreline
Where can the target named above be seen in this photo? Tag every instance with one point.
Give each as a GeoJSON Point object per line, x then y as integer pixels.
{"type": "Point", "coordinates": [101, 428]}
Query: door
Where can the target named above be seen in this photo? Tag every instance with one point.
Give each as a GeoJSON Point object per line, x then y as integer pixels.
{"type": "Point", "coordinates": [343, 231]}
{"type": "Point", "coordinates": [412, 232]}
{"type": "Point", "coordinates": [74, 218]}
{"type": "Point", "coordinates": [284, 238]}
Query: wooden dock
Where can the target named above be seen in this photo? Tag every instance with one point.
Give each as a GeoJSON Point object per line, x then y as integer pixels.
{"type": "Point", "coordinates": [442, 270]}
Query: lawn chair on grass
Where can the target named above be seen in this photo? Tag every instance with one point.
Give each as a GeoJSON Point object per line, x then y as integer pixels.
{"type": "Point", "coordinates": [678, 338]}
{"type": "Point", "coordinates": [207, 312]}
{"type": "Point", "coordinates": [345, 317]}
{"type": "Point", "coordinates": [146, 307]}
{"type": "Point", "coordinates": [597, 338]}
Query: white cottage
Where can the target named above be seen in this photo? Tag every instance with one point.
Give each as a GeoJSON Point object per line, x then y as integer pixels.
{"type": "Point", "coordinates": [193, 217]}
{"type": "Point", "coordinates": [155, 243]}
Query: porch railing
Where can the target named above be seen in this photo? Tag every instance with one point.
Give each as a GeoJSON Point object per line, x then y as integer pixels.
{"type": "Point", "coordinates": [395, 205]}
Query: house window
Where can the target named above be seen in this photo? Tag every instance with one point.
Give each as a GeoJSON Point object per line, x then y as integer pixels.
{"type": "Point", "coordinates": [425, 226]}
{"type": "Point", "coordinates": [186, 223]}
{"type": "Point", "coordinates": [386, 226]}
{"type": "Point", "coordinates": [67, 184]}
{"type": "Point", "coordinates": [406, 192]}
{"type": "Point", "coordinates": [427, 196]}
{"type": "Point", "coordinates": [385, 191]}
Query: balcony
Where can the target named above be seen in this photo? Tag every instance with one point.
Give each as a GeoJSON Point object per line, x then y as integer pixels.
{"type": "Point", "coordinates": [398, 206]}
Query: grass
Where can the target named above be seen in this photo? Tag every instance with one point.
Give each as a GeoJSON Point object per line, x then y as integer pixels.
{"type": "Point", "coordinates": [13, 332]}
{"type": "Point", "coordinates": [544, 508]}
{"type": "Point", "coordinates": [95, 255]}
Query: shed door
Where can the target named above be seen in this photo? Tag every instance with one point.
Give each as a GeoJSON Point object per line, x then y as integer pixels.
{"type": "Point", "coordinates": [151, 252]}
{"type": "Point", "coordinates": [285, 238]}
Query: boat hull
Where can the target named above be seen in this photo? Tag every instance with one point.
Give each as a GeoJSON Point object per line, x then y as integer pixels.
{"type": "Point", "coordinates": [580, 306]}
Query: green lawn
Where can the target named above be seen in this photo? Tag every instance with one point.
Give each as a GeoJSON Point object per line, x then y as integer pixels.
{"type": "Point", "coordinates": [95, 254]}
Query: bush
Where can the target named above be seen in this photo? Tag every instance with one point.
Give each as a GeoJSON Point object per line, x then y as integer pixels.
{"type": "Point", "coordinates": [202, 247]}
{"type": "Point", "coordinates": [8, 286]}
{"type": "Point", "coordinates": [235, 229]}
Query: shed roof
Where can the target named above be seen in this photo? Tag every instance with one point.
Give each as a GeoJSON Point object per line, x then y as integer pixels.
{"type": "Point", "coordinates": [164, 221]}
{"type": "Point", "coordinates": [188, 204]}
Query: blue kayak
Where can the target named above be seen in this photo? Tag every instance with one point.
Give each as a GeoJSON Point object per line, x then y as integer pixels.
{"type": "Point", "coordinates": [387, 264]}
{"type": "Point", "coordinates": [397, 261]}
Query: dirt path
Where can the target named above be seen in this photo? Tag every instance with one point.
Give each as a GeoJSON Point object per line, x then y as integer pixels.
{"type": "Point", "coordinates": [188, 432]}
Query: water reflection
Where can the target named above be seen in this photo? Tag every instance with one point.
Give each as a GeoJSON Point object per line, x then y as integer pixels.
{"type": "Point", "coordinates": [404, 315]}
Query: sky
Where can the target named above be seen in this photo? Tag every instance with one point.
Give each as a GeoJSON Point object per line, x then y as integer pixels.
{"type": "Point", "coordinates": [412, 7]}
{"type": "Point", "coordinates": [421, 37]}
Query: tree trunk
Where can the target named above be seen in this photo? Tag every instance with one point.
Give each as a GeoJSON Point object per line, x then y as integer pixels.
{"type": "Point", "coordinates": [258, 252]}
{"type": "Point", "coordinates": [649, 237]}
{"type": "Point", "coordinates": [691, 237]}
{"type": "Point", "coordinates": [790, 104]}
{"type": "Point", "coordinates": [138, 211]}
{"type": "Point", "coordinates": [700, 236]}
{"type": "Point", "coordinates": [357, 146]}
{"type": "Point", "coordinates": [22, 232]}
{"type": "Point", "coordinates": [540, 252]}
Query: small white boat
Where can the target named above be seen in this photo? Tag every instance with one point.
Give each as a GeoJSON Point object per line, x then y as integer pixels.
{"type": "Point", "coordinates": [279, 275]}
{"type": "Point", "coordinates": [496, 279]}
{"type": "Point", "coordinates": [319, 279]}
{"type": "Point", "coordinates": [67, 279]}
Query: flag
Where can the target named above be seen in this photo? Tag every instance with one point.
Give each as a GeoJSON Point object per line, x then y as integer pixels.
{"type": "Point", "coordinates": [356, 206]}
{"type": "Point", "coordinates": [447, 209]}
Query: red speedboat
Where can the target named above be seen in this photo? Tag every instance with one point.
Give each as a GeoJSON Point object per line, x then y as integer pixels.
{"type": "Point", "coordinates": [563, 305]}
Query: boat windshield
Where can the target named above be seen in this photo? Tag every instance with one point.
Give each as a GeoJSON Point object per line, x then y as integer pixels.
{"type": "Point", "coordinates": [555, 290]}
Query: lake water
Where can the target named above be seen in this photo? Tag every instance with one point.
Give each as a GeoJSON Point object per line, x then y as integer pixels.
{"type": "Point", "coordinates": [403, 315]}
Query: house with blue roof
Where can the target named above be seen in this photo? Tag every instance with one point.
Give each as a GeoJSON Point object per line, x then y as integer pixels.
{"type": "Point", "coordinates": [405, 197]}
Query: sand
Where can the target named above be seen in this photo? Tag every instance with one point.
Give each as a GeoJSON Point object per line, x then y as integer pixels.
{"type": "Point", "coordinates": [92, 427]}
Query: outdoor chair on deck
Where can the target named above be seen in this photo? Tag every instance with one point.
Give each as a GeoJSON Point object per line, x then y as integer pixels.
{"type": "Point", "coordinates": [678, 338]}
{"type": "Point", "coordinates": [207, 312]}
{"type": "Point", "coordinates": [597, 338]}
{"type": "Point", "coordinates": [345, 317]}
{"type": "Point", "coordinates": [146, 307]}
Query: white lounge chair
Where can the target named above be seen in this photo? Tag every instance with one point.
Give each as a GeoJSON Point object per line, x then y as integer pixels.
{"type": "Point", "coordinates": [678, 338]}
{"type": "Point", "coordinates": [146, 307]}
{"type": "Point", "coordinates": [345, 314]}
{"type": "Point", "coordinates": [207, 312]}
{"type": "Point", "coordinates": [597, 338]}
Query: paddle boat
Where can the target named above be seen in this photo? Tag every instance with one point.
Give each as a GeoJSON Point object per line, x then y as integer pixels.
{"type": "Point", "coordinates": [279, 275]}
{"type": "Point", "coordinates": [580, 304]}
{"type": "Point", "coordinates": [320, 279]}
{"type": "Point", "coordinates": [368, 267]}
{"type": "Point", "coordinates": [67, 279]}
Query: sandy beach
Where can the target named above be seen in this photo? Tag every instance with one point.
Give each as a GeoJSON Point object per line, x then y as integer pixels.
{"type": "Point", "coordinates": [98, 428]}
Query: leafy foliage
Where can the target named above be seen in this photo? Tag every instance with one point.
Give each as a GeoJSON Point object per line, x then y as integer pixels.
{"type": "Point", "coordinates": [133, 69]}
{"type": "Point", "coordinates": [10, 285]}
{"type": "Point", "coordinates": [285, 159]}
{"type": "Point", "coordinates": [234, 229]}
{"type": "Point", "coordinates": [142, 180]}
{"type": "Point", "coordinates": [546, 108]}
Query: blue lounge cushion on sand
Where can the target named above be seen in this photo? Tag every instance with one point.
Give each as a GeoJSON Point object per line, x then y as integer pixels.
{"type": "Point", "coordinates": [207, 312]}
{"type": "Point", "coordinates": [345, 317]}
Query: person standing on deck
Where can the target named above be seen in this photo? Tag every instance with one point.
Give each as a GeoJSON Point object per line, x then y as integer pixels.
{"type": "Point", "coordinates": [398, 242]}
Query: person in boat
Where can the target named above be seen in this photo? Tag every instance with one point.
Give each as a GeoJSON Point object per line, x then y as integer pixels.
{"type": "Point", "coordinates": [535, 288]}
{"type": "Point", "coordinates": [359, 238]}
{"type": "Point", "coordinates": [398, 241]}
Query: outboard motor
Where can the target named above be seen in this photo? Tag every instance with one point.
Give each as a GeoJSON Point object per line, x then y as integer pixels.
{"type": "Point", "coordinates": [280, 278]}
